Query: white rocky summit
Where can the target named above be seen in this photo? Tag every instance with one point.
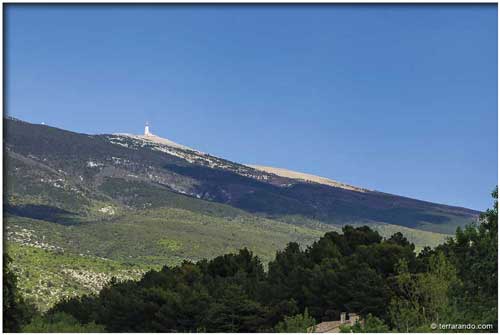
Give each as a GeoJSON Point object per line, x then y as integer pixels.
{"type": "Point", "coordinates": [150, 137]}
{"type": "Point", "coordinates": [254, 171]}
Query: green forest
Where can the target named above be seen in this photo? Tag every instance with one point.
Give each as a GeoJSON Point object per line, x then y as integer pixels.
{"type": "Point", "coordinates": [384, 280]}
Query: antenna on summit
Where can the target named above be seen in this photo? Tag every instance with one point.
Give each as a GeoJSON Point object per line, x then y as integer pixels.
{"type": "Point", "coordinates": [146, 130]}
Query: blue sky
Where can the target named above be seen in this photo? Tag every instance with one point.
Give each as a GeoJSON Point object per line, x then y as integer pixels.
{"type": "Point", "coordinates": [397, 98]}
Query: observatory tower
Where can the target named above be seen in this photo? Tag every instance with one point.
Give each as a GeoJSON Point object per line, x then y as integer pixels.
{"type": "Point", "coordinates": [146, 130]}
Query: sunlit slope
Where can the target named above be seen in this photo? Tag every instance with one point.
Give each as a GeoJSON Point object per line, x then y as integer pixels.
{"type": "Point", "coordinates": [306, 177]}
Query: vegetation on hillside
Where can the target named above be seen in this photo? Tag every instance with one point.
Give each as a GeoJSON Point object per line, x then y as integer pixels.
{"type": "Point", "coordinates": [382, 279]}
{"type": "Point", "coordinates": [44, 277]}
{"type": "Point", "coordinates": [53, 261]}
{"type": "Point", "coordinates": [16, 311]}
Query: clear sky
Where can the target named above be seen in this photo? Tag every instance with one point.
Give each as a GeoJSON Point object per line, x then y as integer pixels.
{"type": "Point", "coordinates": [397, 98]}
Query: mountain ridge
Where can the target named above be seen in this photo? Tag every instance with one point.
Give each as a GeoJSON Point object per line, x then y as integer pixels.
{"type": "Point", "coordinates": [263, 191]}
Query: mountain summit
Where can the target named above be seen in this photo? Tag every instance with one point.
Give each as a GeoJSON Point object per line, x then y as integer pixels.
{"type": "Point", "coordinates": [149, 136]}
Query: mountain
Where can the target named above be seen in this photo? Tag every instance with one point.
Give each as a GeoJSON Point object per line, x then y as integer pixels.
{"type": "Point", "coordinates": [142, 201]}
{"type": "Point", "coordinates": [109, 167]}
